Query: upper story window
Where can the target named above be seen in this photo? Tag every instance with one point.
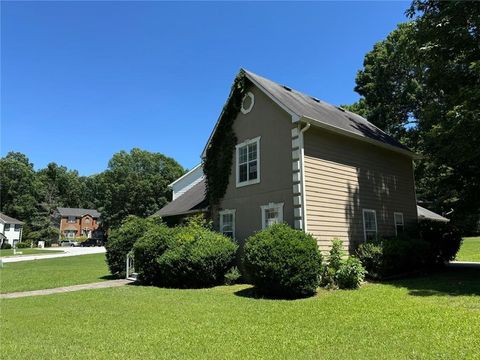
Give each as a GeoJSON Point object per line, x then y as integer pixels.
{"type": "Point", "coordinates": [248, 162]}
{"type": "Point", "coordinates": [369, 224]}
{"type": "Point", "coordinates": [17, 227]}
{"type": "Point", "coordinates": [227, 223]}
{"type": "Point", "coordinates": [398, 218]}
{"type": "Point", "coordinates": [71, 220]}
{"type": "Point", "coordinates": [87, 220]}
{"type": "Point", "coordinates": [272, 214]}
{"type": "Point", "coordinates": [6, 227]}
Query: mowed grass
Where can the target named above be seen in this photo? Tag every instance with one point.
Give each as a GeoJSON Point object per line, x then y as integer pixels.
{"type": "Point", "coordinates": [51, 273]}
{"type": "Point", "coordinates": [429, 317]}
{"type": "Point", "coordinates": [27, 251]}
{"type": "Point", "coordinates": [470, 250]}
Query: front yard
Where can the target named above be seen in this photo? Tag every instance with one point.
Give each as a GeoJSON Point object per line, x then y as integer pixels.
{"type": "Point", "coordinates": [470, 250]}
{"type": "Point", "coordinates": [27, 251]}
{"type": "Point", "coordinates": [428, 317]}
{"type": "Point", "coordinates": [51, 273]}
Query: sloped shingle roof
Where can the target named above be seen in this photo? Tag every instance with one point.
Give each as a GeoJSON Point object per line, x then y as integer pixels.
{"type": "Point", "coordinates": [192, 200]}
{"type": "Point", "coordinates": [78, 212]}
{"type": "Point", "coordinates": [321, 112]}
{"type": "Point", "coordinates": [9, 220]}
{"type": "Point", "coordinates": [423, 213]}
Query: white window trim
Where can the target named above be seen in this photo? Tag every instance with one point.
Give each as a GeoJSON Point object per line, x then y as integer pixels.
{"type": "Point", "coordinates": [395, 221]}
{"type": "Point", "coordinates": [237, 158]}
{"type": "Point", "coordinates": [252, 98]}
{"type": "Point", "coordinates": [227, 212]}
{"type": "Point", "coordinates": [363, 219]}
{"type": "Point", "coordinates": [277, 206]}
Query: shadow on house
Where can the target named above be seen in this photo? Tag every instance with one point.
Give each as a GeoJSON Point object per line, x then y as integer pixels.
{"type": "Point", "coordinates": [449, 281]}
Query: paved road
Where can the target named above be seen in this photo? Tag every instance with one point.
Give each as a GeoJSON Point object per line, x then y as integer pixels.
{"type": "Point", "coordinates": [68, 251]}
{"type": "Point", "coordinates": [98, 285]}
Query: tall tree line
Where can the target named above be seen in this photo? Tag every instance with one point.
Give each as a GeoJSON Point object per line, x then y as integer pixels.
{"type": "Point", "coordinates": [422, 85]}
{"type": "Point", "coordinates": [134, 183]}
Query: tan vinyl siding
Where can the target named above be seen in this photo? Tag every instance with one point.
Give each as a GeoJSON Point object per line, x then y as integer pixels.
{"type": "Point", "coordinates": [344, 176]}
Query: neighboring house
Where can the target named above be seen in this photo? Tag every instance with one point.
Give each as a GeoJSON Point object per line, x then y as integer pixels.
{"type": "Point", "coordinates": [315, 166]}
{"type": "Point", "coordinates": [188, 197]}
{"type": "Point", "coordinates": [425, 214]}
{"type": "Point", "coordinates": [78, 222]}
{"type": "Point", "coordinates": [10, 229]}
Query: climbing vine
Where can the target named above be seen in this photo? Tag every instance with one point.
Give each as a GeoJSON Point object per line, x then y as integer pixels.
{"type": "Point", "coordinates": [217, 164]}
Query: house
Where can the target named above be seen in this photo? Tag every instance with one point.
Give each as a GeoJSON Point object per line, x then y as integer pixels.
{"type": "Point", "coordinates": [10, 230]}
{"type": "Point", "coordinates": [188, 197]}
{"type": "Point", "coordinates": [313, 165]}
{"type": "Point", "coordinates": [76, 222]}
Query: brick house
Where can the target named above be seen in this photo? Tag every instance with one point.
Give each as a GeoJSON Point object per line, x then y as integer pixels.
{"type": "Point", "coordinates": [78, 222]}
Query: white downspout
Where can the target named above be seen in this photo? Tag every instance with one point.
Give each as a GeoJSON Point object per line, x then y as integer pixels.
{"type": "Point", "coordinates": [302, 174]}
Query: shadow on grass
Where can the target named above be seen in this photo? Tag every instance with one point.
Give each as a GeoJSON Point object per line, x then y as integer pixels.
{"type": "Point", "coordinates": [253, 293]}
{"type": "Point", "coordinates": [109, 277]}
{"type": "Point", "coordinates": [449, 281]}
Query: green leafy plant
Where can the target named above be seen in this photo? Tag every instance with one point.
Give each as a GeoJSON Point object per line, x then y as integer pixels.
{"type": "Point", "coordinates": [217, 164]}
{"type": "Point", "coordinates": [283, 262]}
{"type": "Point", "coordinates": [232, 276]}
{"type": "Point", "coordinates": [350, 274]}
{"type": "Point", "coordinates": [333, 264]}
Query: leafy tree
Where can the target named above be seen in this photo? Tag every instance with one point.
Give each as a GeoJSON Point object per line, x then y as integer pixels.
{"type": "Point", "coordinates": [136, 183]}
{"type": "Point", "coordinates": [422, 85]}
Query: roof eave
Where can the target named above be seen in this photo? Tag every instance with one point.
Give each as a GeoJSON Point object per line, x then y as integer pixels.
{"type": "Point", "coordinates": [350, 134]}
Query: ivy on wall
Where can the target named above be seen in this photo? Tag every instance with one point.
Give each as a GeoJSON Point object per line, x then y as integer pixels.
{"type": "Point", "coordinates": [217, 164]}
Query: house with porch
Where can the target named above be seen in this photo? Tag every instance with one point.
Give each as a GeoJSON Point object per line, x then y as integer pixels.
{"type": "Point", "coordinates": [75, 222]}
{"type": "Point", "coordinates": [10, 230]}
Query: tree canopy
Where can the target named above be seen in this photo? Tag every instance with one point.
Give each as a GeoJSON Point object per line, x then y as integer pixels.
{"type": "Point", "coordinates": [422, 85]}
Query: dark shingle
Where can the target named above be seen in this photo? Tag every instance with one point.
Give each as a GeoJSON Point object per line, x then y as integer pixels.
{"type": "Point", "coordinates": [192, 200]}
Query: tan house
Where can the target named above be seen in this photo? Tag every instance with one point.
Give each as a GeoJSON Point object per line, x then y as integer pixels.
{"type": "Point", "coordinates": [313, 165]}
{"type": "Point", "coordinates": [76, 222]}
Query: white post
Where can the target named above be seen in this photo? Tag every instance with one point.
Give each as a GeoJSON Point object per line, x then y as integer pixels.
{"type": "Point", "coordinates": [126, 274]}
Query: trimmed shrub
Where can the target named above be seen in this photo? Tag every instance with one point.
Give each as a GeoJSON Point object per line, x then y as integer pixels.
{"type": "Point", "coordinates": [370, 255]}
{"type": "Point", "coordinates": [6, 246]}
{"type": "Point", "coordinates": [146, 251]}
{"type": "Point", "coordinates": [444, 239]}
{"type": "Point", "coordinates": [24, 245]}
{"type": "Point", "coordinates": [121, 240]}
{"type": "Point", "coordinates": [284, 262]}
{"type": "Point", "coordinates": [199, 257]}
{"type": "Point", "coordinates": [350, 274]}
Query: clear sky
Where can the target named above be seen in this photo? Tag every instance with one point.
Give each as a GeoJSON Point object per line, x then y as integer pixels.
{"type": "Point", "coordinates": [83, 80]}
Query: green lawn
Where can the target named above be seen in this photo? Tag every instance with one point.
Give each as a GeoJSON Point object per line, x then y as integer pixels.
{"type": "Point", "coordinates": [9, 252]}
{"type": "Point", "coordinates": [470, 250]}
{"type": "Point", "coordinates": [430, 317]}
{"type": "Point", "coordinates": [51, 273]}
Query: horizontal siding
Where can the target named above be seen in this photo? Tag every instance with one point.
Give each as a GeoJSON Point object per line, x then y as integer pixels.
{"type": "Point", "coordinates": [344, 176]}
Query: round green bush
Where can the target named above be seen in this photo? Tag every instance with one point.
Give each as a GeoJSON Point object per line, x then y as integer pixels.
{"type": "Point", "coordinates": [350, 274]}
{"type": "Point", "coordinates": [199, 257]}
{"type": "Point", "coordinates": [283, 262]}
{"type": "Point", "coordinates": [121, 240]}
{"type": "Point", "coordinates": [146, 251]}
{"type": "Point", "coordinates": [24, 245]}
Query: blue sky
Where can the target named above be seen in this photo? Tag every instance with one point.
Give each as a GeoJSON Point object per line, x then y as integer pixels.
{"type": "Point", "coordinates": [83, 80]}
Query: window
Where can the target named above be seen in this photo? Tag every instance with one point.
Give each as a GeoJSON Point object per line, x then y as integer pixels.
{"type": "Point", "coordinates": [70, 233]}
{"type": "Point", "coordinates": [87, 220]}
{"type": "Point", "coordinates": [398, 218]}
{"type": "Point", "coordinates": [17, 227]}
{"type": "Point", "coordinates": [369, 224]}
{"type": "Point", "coordinates": [272, 214]}
{"type": "Point", "coordinates": [227, 223]}
{"type": "Point", "coordinates": [248, 162]}
{"type": "Point", "coordinates": [71, 220]}
{"type": "Point", "coordinates": [7, 227]}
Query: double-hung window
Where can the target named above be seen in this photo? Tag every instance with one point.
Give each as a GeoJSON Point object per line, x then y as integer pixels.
{"type": "Point", "coordinates": [272, 214]}
{"type": "Point", "coordinates": [7, 227]}
{"type": "Point", "coordinates": [369, 224]}
{"type": "Point", "coordinates": [248, 162]}
{"type": "Point", "coordinates": [398, 218]}
{"type": "Point", "coordinates": [17, 227]}
{"type": "Point", "coordinates": [227, 223]}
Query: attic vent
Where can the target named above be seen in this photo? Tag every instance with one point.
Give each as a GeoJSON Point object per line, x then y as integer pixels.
{"type": "Point", "coordinates": [341, 109]}
{"type": "Point", "coordinates": [287, 88]}
{"type": "Point", "coordinates": [315, 99]}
